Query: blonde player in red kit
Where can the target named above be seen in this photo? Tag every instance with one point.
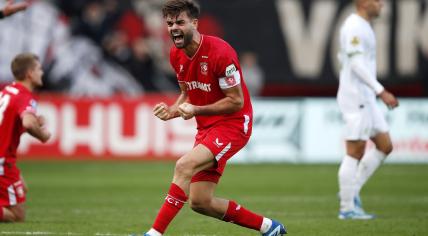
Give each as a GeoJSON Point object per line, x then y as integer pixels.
{"type": "Point", "coordinates": [214, 92]}
{"type": "Point", "coordinates": [18, 115]}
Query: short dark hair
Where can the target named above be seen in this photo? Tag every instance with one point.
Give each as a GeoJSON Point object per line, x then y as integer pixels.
{"type": "Point", "coordinates": [175, 7]}
{"type": "Point", "coordinates": [22, 63]}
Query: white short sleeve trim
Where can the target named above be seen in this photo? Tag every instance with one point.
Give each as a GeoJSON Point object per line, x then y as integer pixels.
{"type": "Point", "coordinates": [12, 196]}
{"type": "Point", "coordinates": [2, 160]}
{"type": "Point", "coordinates": [230, 81]}
{"type": "Point", "coordinates": [246, 121]}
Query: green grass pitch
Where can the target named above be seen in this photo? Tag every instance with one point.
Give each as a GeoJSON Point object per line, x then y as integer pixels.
{"type": "Point", "coordinates": [119, 198]}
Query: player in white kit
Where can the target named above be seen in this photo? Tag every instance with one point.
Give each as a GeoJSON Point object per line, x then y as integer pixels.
{"type": "Point", "coordinates": [358, 89]}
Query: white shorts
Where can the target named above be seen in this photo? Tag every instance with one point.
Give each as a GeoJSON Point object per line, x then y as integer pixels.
{"type": "Point", "coordinates": [364, 123]}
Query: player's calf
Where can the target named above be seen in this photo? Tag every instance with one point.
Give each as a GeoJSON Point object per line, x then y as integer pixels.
{"type": "Point", "coordinates": [201, 206]}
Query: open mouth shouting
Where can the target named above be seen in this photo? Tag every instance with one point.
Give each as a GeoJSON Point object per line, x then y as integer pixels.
{"type": "Point", "coordinates": [178, 38]}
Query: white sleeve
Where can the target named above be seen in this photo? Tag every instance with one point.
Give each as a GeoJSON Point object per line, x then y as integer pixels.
{"type": "Point", "coordinates": [353, 41]}
{"type": "Point", "coordinates": [359, 67]}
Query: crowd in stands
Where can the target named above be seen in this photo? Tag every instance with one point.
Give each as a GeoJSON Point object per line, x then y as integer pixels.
{"type": "Point", "coordinates": [120, 29]}
{"type": "Point", "coordinates": [100, 47]}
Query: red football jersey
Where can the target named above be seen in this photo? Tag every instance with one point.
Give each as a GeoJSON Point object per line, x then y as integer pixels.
{"type": "Point", "coordinates": [15, 99]}
{"type": "Point", "coordinates": [214, 66]}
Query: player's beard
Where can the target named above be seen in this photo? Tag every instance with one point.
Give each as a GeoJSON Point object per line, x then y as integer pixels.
{"type": "Point", "coordinates": [187, 39]}
{"type": "Point", "coordinates": [374, 12]}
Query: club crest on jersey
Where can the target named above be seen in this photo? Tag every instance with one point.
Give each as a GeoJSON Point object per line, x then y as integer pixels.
{"type": "Point", "coordinates": [204, 68]}
{"type": "Point", "coordinates": [355, 41]}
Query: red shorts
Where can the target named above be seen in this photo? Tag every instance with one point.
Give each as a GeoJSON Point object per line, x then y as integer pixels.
{"type": "Point", "coordinates": [223, 141]}
{"type": "Point", "coordinates": [11, 185]}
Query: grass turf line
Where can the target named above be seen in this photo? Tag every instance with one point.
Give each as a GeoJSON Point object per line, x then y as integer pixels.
{"type": "Point", "coordinates": [118, 198]}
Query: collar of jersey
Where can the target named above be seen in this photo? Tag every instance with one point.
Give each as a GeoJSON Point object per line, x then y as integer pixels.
{"type": "Point", "coordinates": [197, 50]}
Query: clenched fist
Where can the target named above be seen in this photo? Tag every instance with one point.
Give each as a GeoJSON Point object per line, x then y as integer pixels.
{"type": "Point", "coordinates": [162, 111]}
{"type": "Point", "coordinates": [186, 110]}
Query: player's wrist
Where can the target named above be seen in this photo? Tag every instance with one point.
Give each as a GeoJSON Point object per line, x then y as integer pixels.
{"type": "Point", "coordinates": [197, 110]}
{"type": "Point", "coordinates": [379, 89]}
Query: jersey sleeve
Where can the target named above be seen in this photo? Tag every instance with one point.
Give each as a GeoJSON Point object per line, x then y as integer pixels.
{"type": "Point", "coordinates": [359, 67]}
{"type": "Point", "coordinates": [228, 69]}
{"type": "Point", "coordinates": [354, 44]}
{"type": "Point", "coordinates": [173, 60]}
{"type": "Point", "coordinates": [26, 104]}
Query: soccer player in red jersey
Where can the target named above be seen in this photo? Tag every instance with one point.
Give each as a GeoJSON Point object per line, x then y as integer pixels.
{"type": "Point", "coordinates": [18, 115]}
{"type": "Point", "coordinates": [214, 92]}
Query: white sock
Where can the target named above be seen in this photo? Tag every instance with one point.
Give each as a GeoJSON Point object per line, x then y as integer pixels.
{"type": "Point", "coordinates": [346, 176]}
{"type": "Point", "coordinates": [368, 165]}
{"type": "Point", "coordinates": [266, 224]}
{"type": "Point", "coordinates": [153, 232]}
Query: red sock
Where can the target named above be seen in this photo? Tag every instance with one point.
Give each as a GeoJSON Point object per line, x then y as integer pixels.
{"type": "Point", "coordinates": [1, 213]}
{"type": "Point", "coordinates": [174, 201]}
{"type": "Point", "coordinates": [238, 215]}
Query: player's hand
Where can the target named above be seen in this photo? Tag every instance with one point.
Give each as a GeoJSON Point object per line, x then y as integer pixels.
{"type": "Point", "coordinates": [162, 111]}
{"type": "Point", "coordinates": [186, 110]}
{"type": "Point", "coordinates": [11, 8]}
{"type": "Point", "coordinates": [41, 120]}
{"type": "Point", "coordinates": [389, 99]}
{"type": "Point", "coordinates": [47, 134]}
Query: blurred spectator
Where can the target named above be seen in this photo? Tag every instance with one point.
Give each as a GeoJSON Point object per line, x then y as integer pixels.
{"type": "Point", "coordinates": [128, 37]}
{"type": "Point", "coordinates": [142, 65]}
{"type": "Point", "coordinates": [127, 45]}
{"type": "Point", "coordinates": [122, 34]}
{"type": "Point", "coordinates": [209, 25]}
{"type": "Point", "coordinates": [96, 19]}
{"type": "Point", "coordinates": [252, 72]}
{"type": "Point", "coordinates": [72, 63]}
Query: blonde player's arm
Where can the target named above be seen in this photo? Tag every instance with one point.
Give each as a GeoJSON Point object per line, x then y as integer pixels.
{"type": "Point", "coordinates": [165, 112]}
{"type": "Point", "coordinates": [34, 125]}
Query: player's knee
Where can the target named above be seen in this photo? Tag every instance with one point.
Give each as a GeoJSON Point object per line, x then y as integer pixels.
{"type": "Point", "coordinates": [200, 205]}
{"type": "Point", "coordinates": [387, 149]}
{"type": "Point", "coordinates": [12, 216]}
{"type": "Point", "coordinates": [20, 217]}
{"type": "Point", "coordinates": [357, 154]}
{"type": "Point", "coordinates": [184, 168]}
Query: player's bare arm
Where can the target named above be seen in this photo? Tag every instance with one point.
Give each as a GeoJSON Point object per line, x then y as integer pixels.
{"type": "Point", "coordinates": [232, 102]}
{"type": "Point", "coordinates": [165, 112]}
{"type": "Point", "coordinates": [33, 124]}
{"type": "Point", "coordinates": [11, 7]}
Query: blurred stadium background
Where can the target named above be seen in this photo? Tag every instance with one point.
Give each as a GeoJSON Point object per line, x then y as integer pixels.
{"type": "Point", "coordinates": [106, 64]}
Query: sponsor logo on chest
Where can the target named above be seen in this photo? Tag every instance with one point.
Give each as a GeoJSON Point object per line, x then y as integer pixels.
{"type": "Point", "coordinates": [198, 85]}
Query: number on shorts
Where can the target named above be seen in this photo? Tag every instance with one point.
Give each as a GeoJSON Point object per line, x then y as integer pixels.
{"type": "Point", "coordinates": [4, 102]}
